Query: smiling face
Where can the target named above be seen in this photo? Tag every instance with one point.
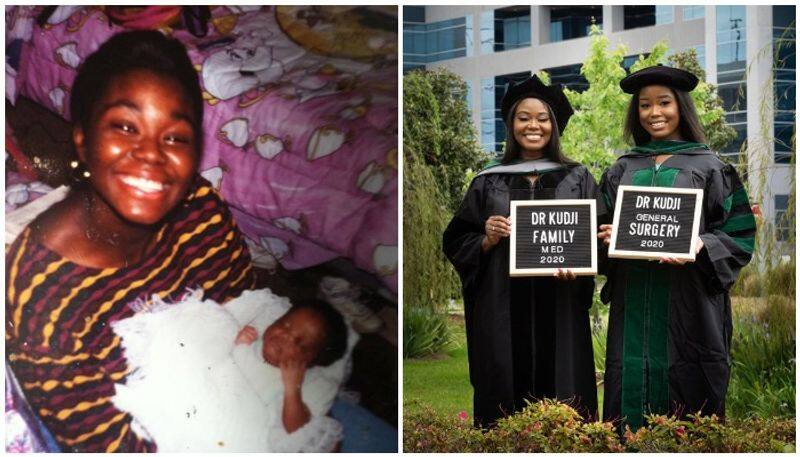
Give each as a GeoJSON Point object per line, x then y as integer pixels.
{"type": "Point", "coordinates": [533, 127]}
{"type": "Point", "coordinates": [659, 114]}
{"type": "Point", "coordinates": [299, 335]}
{"type": "Point", "coordinates": [140, 146]}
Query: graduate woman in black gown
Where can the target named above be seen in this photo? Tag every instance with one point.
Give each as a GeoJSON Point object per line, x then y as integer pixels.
{"type": "Point", "coordinates": [527, 338]}
{"type": "Point", "coordinates": [670, 325]}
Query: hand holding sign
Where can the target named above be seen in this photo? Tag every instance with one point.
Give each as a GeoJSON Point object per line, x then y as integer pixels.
{"type": "Point", "coordinates": [605, 233]}
{"type": "Point", "coordinates": [676, 261]}
{"type": "Point", "coordinates": [496, 228]}
{"type": "Point", "coordinates": [565, 275]}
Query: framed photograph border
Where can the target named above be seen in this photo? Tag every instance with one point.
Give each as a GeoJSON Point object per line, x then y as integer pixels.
{"type": "Point", "coordinates": [518, 272]}
{"type": "Point", "coordinates": [613, 252]}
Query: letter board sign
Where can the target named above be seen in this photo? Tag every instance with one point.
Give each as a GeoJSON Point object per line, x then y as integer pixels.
{"type": "Point", "coordinates": [550, 234]}
{"type": "Point", "coordinates": [655, 222]}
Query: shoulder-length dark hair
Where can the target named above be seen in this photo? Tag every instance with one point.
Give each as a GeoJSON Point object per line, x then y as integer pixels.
{"type": "Point", "coordinates": [552, 149]}
{"type": "Point", "coordinates": [688, 125]}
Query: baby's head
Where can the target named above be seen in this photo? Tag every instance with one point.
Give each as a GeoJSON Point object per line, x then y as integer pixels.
{"type": "Point", "coordinates": [312, 329]}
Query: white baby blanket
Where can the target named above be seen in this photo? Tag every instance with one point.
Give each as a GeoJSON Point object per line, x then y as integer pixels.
{"type": "Point", "coordinates": [192, 389]}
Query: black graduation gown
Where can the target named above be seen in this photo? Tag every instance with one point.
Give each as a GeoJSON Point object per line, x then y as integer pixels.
{"type": "Point", "coordinates": [526, 338]}
{"type": "Point", "coordinates": [669, 334]}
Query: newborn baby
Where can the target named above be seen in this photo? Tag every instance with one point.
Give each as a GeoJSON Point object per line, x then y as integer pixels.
{"type": "Point", "coordinates": [250, 376]}
{"type": "Point", "coordinates": [309, 334]}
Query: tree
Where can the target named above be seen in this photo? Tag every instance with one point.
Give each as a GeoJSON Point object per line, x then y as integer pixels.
{"type": "Point", "coordinates": [439, 148]}
{"type": "Point", "coordinates": [438, 129]}
{"type": "Point", "coordinates": [594, 132]}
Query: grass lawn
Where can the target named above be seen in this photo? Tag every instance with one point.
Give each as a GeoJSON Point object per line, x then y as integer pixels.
{"type": "Point", "coordinates": [441, 381]}
{"type": "Point", "coordinates": [762, 383]}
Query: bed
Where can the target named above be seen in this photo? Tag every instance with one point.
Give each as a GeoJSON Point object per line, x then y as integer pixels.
{"type": "Point", "coordinates": [300, 123]}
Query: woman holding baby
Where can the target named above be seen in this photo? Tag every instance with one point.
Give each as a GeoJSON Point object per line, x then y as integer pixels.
{"type": "Point", "coordinates": [142, 224]}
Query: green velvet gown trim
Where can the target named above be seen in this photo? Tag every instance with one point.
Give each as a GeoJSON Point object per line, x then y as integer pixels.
{"type": "Point", "coordinates": [645, 380]}
{"type": "Point", "coordinates": [668, 147]}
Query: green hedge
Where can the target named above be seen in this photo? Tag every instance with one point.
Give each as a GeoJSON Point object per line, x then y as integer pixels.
{"type": "Point", "coordinates": [549, 426]}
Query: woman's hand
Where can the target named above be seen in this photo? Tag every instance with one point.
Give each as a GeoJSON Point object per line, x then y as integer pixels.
{"type": "Point", "coordinates": [246, 335]}
{"type": "Point", "coordinates": [565, 275]}
{"type": "Point", "coordinates": [605, 233]}
{"type": "Point", "coordinates": [674, 261]}
{"type": "Point", "coordinates": [496, 228]}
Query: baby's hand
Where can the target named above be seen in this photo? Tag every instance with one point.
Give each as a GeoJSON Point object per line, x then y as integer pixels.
{"type": "Point", "coordinates": [293, 370]}
{"type": "Point", "coordinates": [246, 335]}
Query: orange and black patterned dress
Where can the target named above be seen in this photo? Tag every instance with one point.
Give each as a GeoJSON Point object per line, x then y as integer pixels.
{"type": "Point", "coordinates": [59, 343]}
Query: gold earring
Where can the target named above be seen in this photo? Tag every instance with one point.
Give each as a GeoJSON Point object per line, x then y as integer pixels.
{"type": "Point", "coordinates": [79, 171]}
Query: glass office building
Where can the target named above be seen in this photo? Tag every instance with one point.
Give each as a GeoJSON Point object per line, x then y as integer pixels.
{"type": "Point", "coordinates": [732, 43]}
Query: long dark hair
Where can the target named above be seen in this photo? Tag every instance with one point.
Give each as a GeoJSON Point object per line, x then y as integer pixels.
{"type": "Point", "coordinates": [552, 149]}
{"type": "Point", "coordinates": [688, 125]}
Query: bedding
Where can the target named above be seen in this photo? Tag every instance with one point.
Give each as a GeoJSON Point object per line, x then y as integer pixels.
{"type": "Point", "coordinates": [191, 389]}
{"type": "Point", "coordinates": [300, 123]}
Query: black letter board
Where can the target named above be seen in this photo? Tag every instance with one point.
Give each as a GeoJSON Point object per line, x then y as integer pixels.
{"type": "Point", "coordinates": [655, 222]}
{"type": "Point", "coordinates": [550, 234]}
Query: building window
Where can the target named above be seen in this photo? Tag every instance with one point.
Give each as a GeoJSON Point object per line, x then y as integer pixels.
{"type": "Point", "coordinates": [426, 43]}
{"type": "Point", "coordinates": [665, 14]}
{"type": "Point", "coordinates": [493, 129]}
{"type": "Point", "coordinates": [783, 223]}
{"type": "Point", "coordinates": [570, 76]}
{"type": "Point", "coordinates": [447, 39]}
{"type": "Point", "coordinates": [784, 70]}
{"type": "Point", "coordinates": [694, 12]}
{"type": "Point", "coordinates": [732, 150]}
{"type": "Point", "coordinates": [503, 29]}
{"type": "Point", "coordinates": [701, 55]}
{"type": "Point", "coordinates": [414, 14]}
{"type": "Point", "coordinates": [512, 28]}
{"type": "Point", "coordinates": [646, 16]}
{"type": "Point", "coordinates": [732, 90]}
{"type": "Point", "coordinates": [568, 22]}
{"type": "Point", "coordinates": [731, 35]}
{"type": "Point", "coordinates": [628, 61]}
{"type": "Point", "coordinates": [414, 55]}
{"type": "Point", "coordinates": [731, 65]}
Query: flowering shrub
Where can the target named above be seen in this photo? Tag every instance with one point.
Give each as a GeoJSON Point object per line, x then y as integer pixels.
{"type": "Point", "coordinates": [708, 434]}
{"type": "Point", "coordinates": [425, 430]}
{"type": "Point", "coordinates": [546, 426]}
{"type": "Point", "coordinates": [549, 426]}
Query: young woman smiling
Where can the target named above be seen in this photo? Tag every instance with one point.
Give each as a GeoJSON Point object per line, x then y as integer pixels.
{"type": "Point", "coordinates": [143, 223]}
{"type": "Point", "coordinates": [669, 333]}
{"type": "Point", "coordinates": [527, 338]}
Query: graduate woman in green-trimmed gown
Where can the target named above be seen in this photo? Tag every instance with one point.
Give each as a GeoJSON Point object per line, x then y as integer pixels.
{"type": "Point", "coordinates": [527, 338]}
{"type": "Point", "coordinates": [670, 325]}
